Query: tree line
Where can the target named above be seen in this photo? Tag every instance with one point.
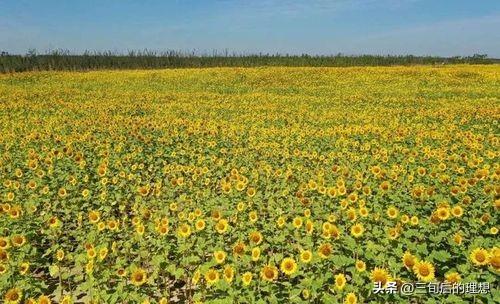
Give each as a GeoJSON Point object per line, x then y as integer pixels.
{"type": "Point", "coordinates": [61, 60]}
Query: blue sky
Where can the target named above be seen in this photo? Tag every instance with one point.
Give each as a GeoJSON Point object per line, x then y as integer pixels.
{"type": "Point", "coordinates": [420, 27]}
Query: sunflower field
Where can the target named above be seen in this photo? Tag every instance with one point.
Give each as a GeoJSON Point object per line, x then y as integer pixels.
{"type": "Point", "coordinates": [249, 185]}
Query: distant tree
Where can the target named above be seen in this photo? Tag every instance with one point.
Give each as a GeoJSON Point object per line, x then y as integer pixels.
{"type": "Point", "coordinates": [31, 53]}
{"type": "Point", "coordinates": [479, 56]}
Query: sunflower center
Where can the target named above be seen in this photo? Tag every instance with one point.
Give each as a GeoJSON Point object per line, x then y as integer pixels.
{"type": "Point", "coordinates": [424, 271]}
{"type": "Point", "coordinates": [269, 273]}
{"type": "Point", "coordinates": [480, 257]}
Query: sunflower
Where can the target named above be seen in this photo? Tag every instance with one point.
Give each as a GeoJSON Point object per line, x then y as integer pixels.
{"type": "Point", "coordinates": [255, 254]}
{"type": "Point", "coordinates": [138, 277]}
{"type": "Point", "coordinates": [228, 273]}
{"type": "Point", "coordinates": [306, 256]}
{"type": "Point", "coordinates": [351, 299]}
{"type": "Point", "coordinates": [480, 257]}
{"type": "Point", "coordinates": [357, 230]}
{"type": "Point", "coordinates": [424, 271]}
{"type": "Point", "coordinates": [269, 273]}
{"type": "Point", "coordinates": [240, 186]}
{"type": "Point", "coordinates": [385, 186]}
{"type": "Point", "coordinates": [43, 299]}
{"type": "Point", "coordinates": [200, 224]}
{"type": "Point", "coordinates": [297, 222]}
{"type": "Point", "coordinates": [62, 192]}
{"type": "Point", "coordinates": [239, 249]}
{"type": "Point", "coordinates": [219, 256]}
{"type": "Point", "coordinates": [140, 229]}
{"type": "Point", "coordinates": [211, 276]}
{"type": "Point", "coordinates": [325, 250]}
{"type": "Point", "coordinates": [4, 243]}
{"type": "Point", "coordinates": [13, 296]}
{"type": "Point", "coordinates": [91, 253]}
{"type": "Point", "coordinates": [94, 216]}
{"type": "Point", "coordinates": [360, 266]}
{"type": "Point", "coordinates": [288, 266]}
{"type": "Point", "coordinates": [246, 278]}
{"type": "Point", "coordinates": [363, 212]}
{"type": "Point", "coordinates": [340, 281]}
{"type": "Point", "coordinates": [3, 268]}
{"type": "Point", "coordinates": [240, 207]}
{"type": "Point", "coordinates": [309, 227]}
{"type": "Point", "coordinates": [393, 233]}
{"type": "Point", "coordinates": [457, 211]}
{"type": "Point", "coordinates": [54, 222]}
{"type": "Point", "coordinates": [280, 222]}
{"type": "Point", "coordinates": [452, 277]}
{"type": "Point", "coordinates": [184, 231]}
{"type": "Point", "coordinates": [112, 225]}
{"type": "Point", "coordinates": [457, 238]}
{"type": "Point", "coordinates": [409, 260]}
{"type": "Point", "coordinates": [221, 226]}
{"type": "Point", "coordinates": [380, 275]}
{"type": "Point", "coordinates": [15, 212]}
{"type": "Point", "coordinates": [143, 190]}
{"type": "Point", "coordinates": [443, 213]}
{"type": "Point", "coordinates": [495, 258]}
{"type": "Point", "coordinates": [414, 220]}
{"type": "Point", "coordinates": [103, 252]}
{"type": "Point", "coordinates": [392, 212]}
{"type": "Point", "coordinates": [121, 272]}
{"type": "Point", "coordinates": [24, 268]}
{"type": "Point", "coordinates": [256, 237]}
{"type": "Point", "coordinates": [67, 300]}
{"type": "Point", "coordinates": [351, 214]}
{"type": "Point", "coordinates": [101, 226]}
{"type": "Point", "coordinates": [163, 230]}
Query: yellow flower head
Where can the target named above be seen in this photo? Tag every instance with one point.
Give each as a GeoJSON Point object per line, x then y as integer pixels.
{"type": "Point", "coordinates": [138, 277]}
{"type": "Point", "coordinates": [424, 271]}
{"type": "Point", "coordinates": [269, 273]}
{"type": "Point", "coordinates": [288, 266]}
{"type": "Point", "coordinates": [480, 257]}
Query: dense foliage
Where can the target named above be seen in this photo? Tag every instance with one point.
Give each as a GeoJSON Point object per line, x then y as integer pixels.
{"type": "Point", "coordinates": [63, 60]}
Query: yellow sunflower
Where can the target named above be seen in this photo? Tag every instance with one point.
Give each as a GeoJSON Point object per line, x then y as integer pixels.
{"type": "Point", "coordinates": [211, 276]}
{"type": "Point", "coordinates": [246, 278]}
{"type": "Point", "coordinates": [288, 266]}
{"type": "Point", "coordinates": [340, 281]}
{"type": "Point", "coordinates": [13, 296]}
{"type": "Point", "coordinates": [222, 226]}
{"type": "Point", "coordinates": [452, 277]}
{"type": "Point", "coordinates": [424, 271]}
{"type": "Point", "coordinates": [219, 256]}
{"type": "Point", "coordinates": [255, 254]}
{"type": "Point", "coordinates": [360, 266]}
{"type": "Point", "coordinates": [228, 273]}
{"type": "Point", "coordinates": [325, 250]}
{"type": "Point", "coordinates": [138, 277]}
{"type": "Point", "coordinates": [409, 260]}
{"type": "Point", "coordinates": [380, 275]}
{"type": "Point", "coordinates": [480, 257]}
{"type": "Point", "coordinates": [351, 299]}
{"type": "Point", "coordinates": [269, 273]}
{"type": "Point", "coordinates": [306, 256]}
{"type": "Point", "coordinates": [184, 231]}
{"type": "Point", "coordinates": [357, 230]}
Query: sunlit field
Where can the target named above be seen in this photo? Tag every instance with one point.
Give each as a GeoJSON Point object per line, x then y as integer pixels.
{"type": "Point", "coordinates": [249, 185]}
